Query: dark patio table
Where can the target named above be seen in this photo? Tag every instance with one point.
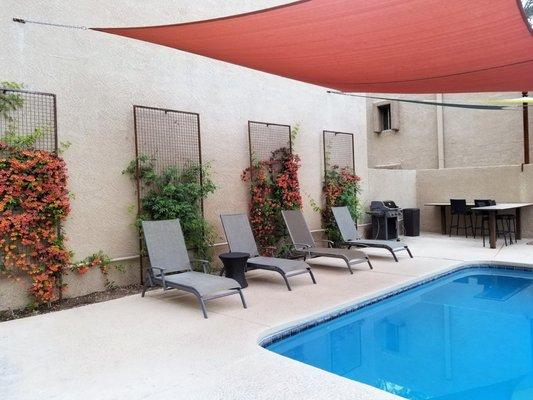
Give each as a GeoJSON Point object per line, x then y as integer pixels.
{"type": "Point", "coordinates": [493, 210]}
{"type": "Point", "coordinates": [235, 266]}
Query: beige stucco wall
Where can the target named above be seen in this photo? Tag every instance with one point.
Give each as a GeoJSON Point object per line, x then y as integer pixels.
{"type": "Point", "coordinates": [470, 137]}
{"type": "Point", "coordinates": [98, 77]}
{"type": "Point", "coordinates": [414, 145]}
{"type": "Point", "coordinates": [396, 185]}
{"type": "Point", "coordinates": [526, 188]}
{"type": "Point", "coordinates": [482, 152]}
{"type": "Point", "coordinates": [502, 183]}
{"type": "Point", "coordinates": [479, 137]}
{"type": "Point", "coordinates": [414, 188]}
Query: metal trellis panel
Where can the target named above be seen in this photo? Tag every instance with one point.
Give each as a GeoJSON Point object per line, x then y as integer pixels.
{"type": "Point", "coordinates": [338, 150]}
{"type": "Point", "coordinates": [169, 137]}
{"type": "Point", "coordinates": [37, 112]}
{"type": "Point", "coordinates": [265, 138]}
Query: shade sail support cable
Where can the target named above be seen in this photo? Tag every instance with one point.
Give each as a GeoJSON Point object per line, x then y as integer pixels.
{"type": "Point", "coordinates": [429, 103]}
{"type": "Point", "coordinates": [29, 21]}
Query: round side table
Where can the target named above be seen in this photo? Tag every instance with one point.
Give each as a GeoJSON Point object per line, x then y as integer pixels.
{"type": "Point", "coordinates": [235, 266]}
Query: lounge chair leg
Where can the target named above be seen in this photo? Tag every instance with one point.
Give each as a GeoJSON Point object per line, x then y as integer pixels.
{"type": "Point", "coordinates": [451, 223]}
{"type": "Point", "coordinates": [408, 251]}
{"type": "Point", "coordinates": [349, 266]}
{"type": "Point", "coordinates": [369, 263]}
{"type": "Point", "coordinates": [312, 276]}
{"type": "Point", "coordinates": [147, 282]}
{"type": "Point", "coordinates": [242, 298]}
{"type": "Point", "coordinates": [202, 305]}
{"type": "Point", "coordinates": [394, 255]}
{"type": "Point", "coordinates": [286, 281]}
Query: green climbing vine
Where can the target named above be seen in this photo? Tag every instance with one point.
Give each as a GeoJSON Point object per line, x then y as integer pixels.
{"type": "Point", "coordinates": [177, 193]}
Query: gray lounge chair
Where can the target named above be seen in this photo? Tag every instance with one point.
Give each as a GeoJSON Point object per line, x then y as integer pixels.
{"type": "Point", "coordinates": [351, 236]}
{"type": "Point", "coordinates": [240, 238]}
{"type": "Point", "coordinates": [304, 243]}
{"type": "Point", "coordinates": [170, 266]}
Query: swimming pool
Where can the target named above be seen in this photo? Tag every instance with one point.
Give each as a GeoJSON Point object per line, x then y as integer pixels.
{"type": "Point", "coordinates": [466, 335]}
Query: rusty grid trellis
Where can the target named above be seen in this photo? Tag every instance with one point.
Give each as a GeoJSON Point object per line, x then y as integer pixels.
{"type": "Point", "coordinates": [168, 137]}
{"type": "Point", "coordinates": [264, 138]}
{"type": "Point", "coordinates": [338, 150]}
{"type": "Point", "coordinates": [37, 112]}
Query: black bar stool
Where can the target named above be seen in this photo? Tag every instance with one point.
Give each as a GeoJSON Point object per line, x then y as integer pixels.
{"type": "Point", "coordinates": [508, 224]}
{"type": "Point", "coordinates": [483, 225]}
{"type": "Point", "coordinates": [504, 225]}
{"type": "Point", "coordinates": [458, 209]}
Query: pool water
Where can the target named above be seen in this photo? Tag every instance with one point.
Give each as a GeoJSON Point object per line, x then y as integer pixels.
{"type": "Point", "coordinates": [465, 336]}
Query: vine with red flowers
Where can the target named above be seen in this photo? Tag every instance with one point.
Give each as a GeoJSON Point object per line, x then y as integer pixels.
{"type": "Point", "coordinates": [34, 201]}
{"type": "Point", "coordinates": [274, 187]}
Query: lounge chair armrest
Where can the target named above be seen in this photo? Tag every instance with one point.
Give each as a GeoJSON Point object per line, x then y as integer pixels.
{"type": "Point", "coordinates": [204, 263]}
{"type": "Point", "coordinates": [329, 242]}
{"type": "Point", "coordinates": [162, 270]}
{"type": "Point", "coordinates": [162, 276]}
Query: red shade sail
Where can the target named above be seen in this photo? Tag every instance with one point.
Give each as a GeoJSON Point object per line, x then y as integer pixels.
{"type": "Point", "coordinates": [389, 46]}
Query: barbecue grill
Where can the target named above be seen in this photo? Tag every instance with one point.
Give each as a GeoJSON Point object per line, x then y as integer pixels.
{"type": "Point", "coordinates": [385, 216]}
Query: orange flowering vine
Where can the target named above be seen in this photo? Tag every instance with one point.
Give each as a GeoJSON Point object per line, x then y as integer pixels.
{"type": "Point", "coordinates": [34, 202]}
{"type": "Point", "coordinates": [274, 187]}
{"type": "Point", "coordinates": [96, 260]}
{"type": "Point", "coordinates": [341, 188]}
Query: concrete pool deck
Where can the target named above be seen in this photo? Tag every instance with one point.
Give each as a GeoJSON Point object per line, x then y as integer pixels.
{"type": "Point", "coordinates": [160, 347]}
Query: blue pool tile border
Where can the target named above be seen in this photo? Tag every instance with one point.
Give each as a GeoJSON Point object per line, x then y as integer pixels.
{"type": "Point", "coordinates": [294, 330]}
